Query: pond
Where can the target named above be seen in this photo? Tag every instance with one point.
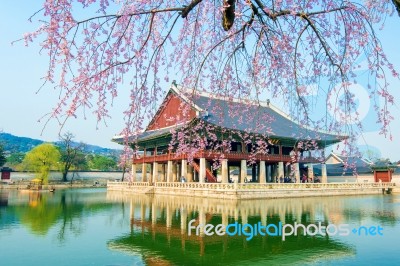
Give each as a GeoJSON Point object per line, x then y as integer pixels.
{"type": "Point", "coordinates": [93, 227]}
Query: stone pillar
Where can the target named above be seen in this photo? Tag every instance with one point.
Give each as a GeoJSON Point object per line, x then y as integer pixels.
{"type": "Point", "coordinates": [224, 170]}
{"type": "Point", "coordinates": [310, 172]}
{"type": "Point", "coordinates": [174, 172]}
{"type": "Point", "coordinates": [297, 172]}
{"type": "Point", "coordinates": [324, 175]}
{"type": "Point", "coordinates": [262, 173]}
{"type": "Point", "coordinates": [155, 172]}
{"type": "Point", "coordinates": [190, 177]}
{"type": "Point", "coordinates": [184, 169]}
{"type": "Point", "coordinates": [133, 173]}
{"type": "Point", "coordinates": [243, 171]}
{"type": "Point", "coordinates": [269, 174]}
{"type": "Point", "coordinates": [163, 173]}
{"type": "Point", "coordinates": [150, 175]}
{"type": "Point", "coordinates": [281, 173]}
{"type": "Point", "coordinates": [144, 172]}
{"type": "Point", "coordinates": [202, 172]}
{"type": "Point", "coordinates": [169, 171]}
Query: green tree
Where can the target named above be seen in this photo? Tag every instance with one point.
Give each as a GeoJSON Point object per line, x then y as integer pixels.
{"type": "Point", "coordinates": [42, 159]}
{"type": "Point", "coordinates": [2, 156]}
{"type": "Point", "coordinates": [72, 155]}
{"type": "Point", "coordinates": [103, 163]}
{"type": "Point", "coordinates": [15, 159]}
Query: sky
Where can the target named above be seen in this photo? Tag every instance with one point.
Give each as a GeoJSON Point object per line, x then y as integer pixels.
{"type": "Point", "coordinates": [22, 106]}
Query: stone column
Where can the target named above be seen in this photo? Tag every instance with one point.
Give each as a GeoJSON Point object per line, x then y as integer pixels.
{"type": "Point", "coordinates": [310, 171]}
{"type": "Point", "coordinates": [169, 171]}
{"type": "Point", "coordinates": [144, 172]}
{"type": "Point", "coordinates": [190, 173]}
{"type": "Point", "coordinates": [133, 173]}
{"type": "Point", "coordinates": [224, 170]}
{"type": "Point", "coordinates": [150, 175]}
{"type": "Point", "coordinates": [202, 172]}
{"type": "Point", "coordinates": [324, 175]}
{"type": "Point", "coordinates": [297, 172]}
{"type": "Point", "coordinates": [184, 169]}
{"type": "Point", "coordinates": [243, 171]}
{"type": "Point", "coordinates": [174, 172]}
{"type": "Point", "coordinates": [281, 173]}
{"type": "Point", "coordinates": [269, 174]}
{"type": "Point", "coordinates": [262, 173]}
{"type": "Point", "coordinates": [155, 172]}
{"type": "Point", "coordinates": [163, 176]}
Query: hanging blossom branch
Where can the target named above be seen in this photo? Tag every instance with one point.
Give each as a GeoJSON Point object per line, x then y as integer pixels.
{"type": "Point", "coordinates": [253, 49]}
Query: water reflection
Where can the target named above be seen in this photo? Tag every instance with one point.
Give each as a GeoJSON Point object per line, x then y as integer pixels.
{"type": "Point", "coordinates": [41, 211]}
{"type": "Point", "coordinates": [159, 228]}
{"type": "Point", "coordinates": [97, 226]}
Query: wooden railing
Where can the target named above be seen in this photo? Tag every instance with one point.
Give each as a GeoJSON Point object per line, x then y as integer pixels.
{"type": "Point", "coordinates": [253, 186]}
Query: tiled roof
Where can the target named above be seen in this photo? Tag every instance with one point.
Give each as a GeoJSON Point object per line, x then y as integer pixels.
{"type": "Point", "coordinates": [259, 119]}
{"type": "Point", "coordinates": [233, 114]}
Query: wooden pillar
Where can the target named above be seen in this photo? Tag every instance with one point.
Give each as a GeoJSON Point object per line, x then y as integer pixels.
{"type": "Point", "coordinates": [262, 173]}
{"type": "Point", "coordinates": [202, 172]}
{"type": "Point", "coordinates": [224, 170]}
{"type": "Point", "coordinates": [243, 171]}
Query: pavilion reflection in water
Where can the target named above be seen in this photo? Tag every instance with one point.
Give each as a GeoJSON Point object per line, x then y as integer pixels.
{"type": "Point", "coordinates": [159, 230]}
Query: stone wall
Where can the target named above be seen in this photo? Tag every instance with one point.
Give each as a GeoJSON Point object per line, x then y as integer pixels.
{"type": "Point", "coordinates": [77, 176]}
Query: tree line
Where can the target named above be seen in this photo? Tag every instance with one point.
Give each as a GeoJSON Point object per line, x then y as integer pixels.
{"type": "Point", "coordinates": [64, 156]}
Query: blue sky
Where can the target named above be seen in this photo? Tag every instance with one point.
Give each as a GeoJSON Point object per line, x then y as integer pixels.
{"type": "Point", "coordinates": [22, 67]}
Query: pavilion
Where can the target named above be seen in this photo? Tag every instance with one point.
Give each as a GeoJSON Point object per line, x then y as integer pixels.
{"type": "Point", "coordinates": [229, 120]}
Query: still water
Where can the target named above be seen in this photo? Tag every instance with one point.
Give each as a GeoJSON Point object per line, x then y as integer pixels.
{"type": "Point", "coordinates": [93, 227]}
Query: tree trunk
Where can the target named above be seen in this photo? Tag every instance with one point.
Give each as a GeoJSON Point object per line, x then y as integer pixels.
{"type": "Point", "coordinates": [64, 176]}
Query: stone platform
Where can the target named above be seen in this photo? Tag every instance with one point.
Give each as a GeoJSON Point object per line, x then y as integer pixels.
{"type": "Point", "coordinates": [250, 190]}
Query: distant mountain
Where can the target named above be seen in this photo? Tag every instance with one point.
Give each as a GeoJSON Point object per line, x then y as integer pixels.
{"type": "Point", "coordinates": [13, 144]}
